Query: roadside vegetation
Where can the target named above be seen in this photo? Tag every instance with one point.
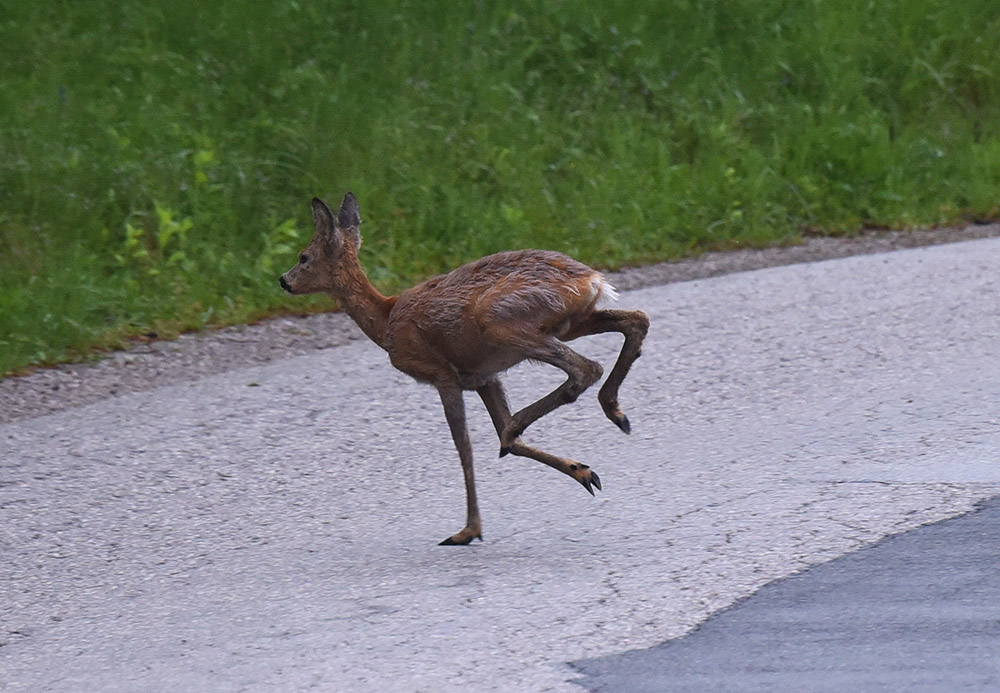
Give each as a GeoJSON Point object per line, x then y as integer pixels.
{"type": "Point", "coordinates": [157, 158]}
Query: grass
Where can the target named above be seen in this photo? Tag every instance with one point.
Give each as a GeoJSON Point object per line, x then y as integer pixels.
{"type": "Point", "coordinates": [156, 158]}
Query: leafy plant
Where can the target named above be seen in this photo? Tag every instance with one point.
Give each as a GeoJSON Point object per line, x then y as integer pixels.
{"type": "Point", "coordinates": [156, 159]}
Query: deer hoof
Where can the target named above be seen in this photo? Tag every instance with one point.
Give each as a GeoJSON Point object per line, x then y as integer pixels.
{"type": "Point", "coordinates": [618, 418]}
{"type": "Point", "coordinates": [504, 451]}
{"type": "Point", "coordinates": [586, 476]}
{"type": "Point", "coordinates": [463, 538]}
{"type": "Point", "coordinates": [450, 541]}
{"type": "Point", "coordinates": [595, 481]}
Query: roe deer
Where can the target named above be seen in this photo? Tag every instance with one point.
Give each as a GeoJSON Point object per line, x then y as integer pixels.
{"type": "Point", "coordinates": [459, 331]}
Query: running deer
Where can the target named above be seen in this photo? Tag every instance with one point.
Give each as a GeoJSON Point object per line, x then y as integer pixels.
{"type": "Point", "coordinates": [459, 331]}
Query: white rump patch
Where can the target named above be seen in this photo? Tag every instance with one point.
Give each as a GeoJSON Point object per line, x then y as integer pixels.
{"type": "Point", "coordinates": [608, 293]}
{"type": "Point", "coordinates": [544, 298]}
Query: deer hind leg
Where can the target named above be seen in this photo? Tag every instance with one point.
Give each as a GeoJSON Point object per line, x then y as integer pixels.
{"type": "Point", "coordinates": [454, 411]}
{"type": "Point", "coordinates": [495, 400]}
{"type": "Point", "coordinates": [581, 372]}
{"type": "Point", "coordinates": [634, 324]}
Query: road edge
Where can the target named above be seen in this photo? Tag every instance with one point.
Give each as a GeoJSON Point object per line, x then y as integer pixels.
{"type": "Point", "coordinates": [198, 355]}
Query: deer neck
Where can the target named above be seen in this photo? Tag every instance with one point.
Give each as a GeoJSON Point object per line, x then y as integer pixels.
{"type": "Point", "coordinates": [363, 302]}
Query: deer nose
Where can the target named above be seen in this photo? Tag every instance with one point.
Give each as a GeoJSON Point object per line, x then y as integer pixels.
{"type": "Point", "coordinates": [284, 284]}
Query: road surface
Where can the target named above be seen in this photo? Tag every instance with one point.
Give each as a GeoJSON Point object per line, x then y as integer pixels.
{"type": "Point", "coordinates": [275, 527]}
{"type": "Point", "coordinates": [916, 613]}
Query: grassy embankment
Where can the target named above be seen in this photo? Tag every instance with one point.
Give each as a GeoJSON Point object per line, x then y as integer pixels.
{"type": "Point", "coordinates": [157, 158]}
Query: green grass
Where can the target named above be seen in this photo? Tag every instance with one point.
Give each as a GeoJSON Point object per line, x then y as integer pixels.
{"type": "Point", "coordinates": [157, 158]}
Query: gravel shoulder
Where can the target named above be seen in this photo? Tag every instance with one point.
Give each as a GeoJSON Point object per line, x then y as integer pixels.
{"type": "Point", "coordinates": [194, 356]}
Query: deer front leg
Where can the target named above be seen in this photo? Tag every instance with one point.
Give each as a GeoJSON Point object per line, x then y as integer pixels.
{"type": "Point", "coordinates": [454, 411]}
{"type": "Point", "coordinates": [495, 400]}
{"type": "Point", "coordinates": [581, 373]}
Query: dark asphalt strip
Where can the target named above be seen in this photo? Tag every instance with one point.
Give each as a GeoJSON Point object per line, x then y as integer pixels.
{"type": "Point", "coordinates": [919, 611]}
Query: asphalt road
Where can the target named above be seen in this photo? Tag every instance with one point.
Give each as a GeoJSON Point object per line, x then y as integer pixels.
{"type": "Point", "coordinates": [275, 528]}
{"type": "Point", "coordinates": [916, 613]}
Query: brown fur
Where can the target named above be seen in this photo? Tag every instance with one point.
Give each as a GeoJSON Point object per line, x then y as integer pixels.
{"type": "Point", "coordinates": [460, 330]}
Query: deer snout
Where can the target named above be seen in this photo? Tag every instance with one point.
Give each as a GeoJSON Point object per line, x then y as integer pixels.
{"type": "Point", "coordinates": [284, 284]}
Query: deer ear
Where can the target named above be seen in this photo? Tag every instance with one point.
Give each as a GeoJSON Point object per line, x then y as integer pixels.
{"type": "Point", "coordinates": [349, 219]}
{"type": "Point", "coordinates": [350, 214]}
{"type": "Point", "coordinates": [323, 219]}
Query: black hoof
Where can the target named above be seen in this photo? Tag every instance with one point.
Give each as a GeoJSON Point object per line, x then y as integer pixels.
{"type": "Point", "coordinates": [450, 541]}
{"type": "Point", "coordinates": [504, 452]}
{"type": "Point", "coordinates": [616, 415]}
{"type": "Point", "coordinates": [593, 482]}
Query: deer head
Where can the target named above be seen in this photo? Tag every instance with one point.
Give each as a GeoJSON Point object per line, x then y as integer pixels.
{"type": "Point", "coordinates": [332, 250]}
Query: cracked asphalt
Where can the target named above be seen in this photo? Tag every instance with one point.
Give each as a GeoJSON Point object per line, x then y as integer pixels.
{"type": "Point", "coordinates": [273, 527]}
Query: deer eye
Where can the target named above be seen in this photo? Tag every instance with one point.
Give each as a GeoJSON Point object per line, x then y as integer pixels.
{"type": "Point", "coordinates": [303, 259]}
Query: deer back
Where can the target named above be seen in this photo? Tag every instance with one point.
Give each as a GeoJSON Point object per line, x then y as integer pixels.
{"type": "Point", "coordinates": [483, 316]}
